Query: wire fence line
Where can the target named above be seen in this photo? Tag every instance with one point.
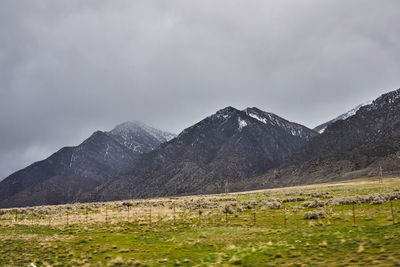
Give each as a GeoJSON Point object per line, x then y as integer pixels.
{"type": "Point", "coordinates": [291, 211]}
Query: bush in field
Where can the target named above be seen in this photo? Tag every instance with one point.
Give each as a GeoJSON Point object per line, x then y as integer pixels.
{"type": "Point", "coordinates": [226, 208]}
{"type": "Point", "coordinates": [275, 205]}
{"type": "Point", "coordinates": [316, 194]}
{"type": "Point", "coordinates": [127, 204]}
{"type": "Point", "coordinates": [374, 199]}
{"type": "Point", "coordinates": [393, 196]}
{"type": "Point", "coordinates": [313, 204]}
{"type": "Point", "coordinates": [343, 201]}
{"type": "Point", "coordinates": [297, 208]}
{"type": "Point", "coordinates": [293, 199]}
{"type": "Point", "coordinates": [271, 203]}
{"type": "Point", "coordinates": [248, 204]}
{"type": "Point", "coordinates": [315, 214]}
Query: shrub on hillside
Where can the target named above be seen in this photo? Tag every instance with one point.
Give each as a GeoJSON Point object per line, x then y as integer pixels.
{"type": "Point", "coordinates": [313, 204]}
{"type": "Point", "coordinates": [314, 214]}
{"type": "Point", "coordinates": [293, 199]}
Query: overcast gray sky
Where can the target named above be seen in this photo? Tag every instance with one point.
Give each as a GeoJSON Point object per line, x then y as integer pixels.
{"type": "Point", "coordinates": [70, 67]}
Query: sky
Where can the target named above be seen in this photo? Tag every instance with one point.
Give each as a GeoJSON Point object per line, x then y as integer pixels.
{"type": "Point", "coordinates": [68, 67]}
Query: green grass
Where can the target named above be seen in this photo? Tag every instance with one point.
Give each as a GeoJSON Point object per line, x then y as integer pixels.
{"type": "Point", "coordinates": [216, 240]}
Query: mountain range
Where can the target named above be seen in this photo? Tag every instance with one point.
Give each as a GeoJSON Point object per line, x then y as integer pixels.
{"type": "Point", "coordinates": [72, 171]}
{"type": "Point", "coordinates": [227, 147]}
{"type": "Point", "coordinates": [231, 150]}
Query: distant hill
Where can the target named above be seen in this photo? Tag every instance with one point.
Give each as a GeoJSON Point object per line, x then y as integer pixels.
{"type": "Point", "coordinates": [73, 171]}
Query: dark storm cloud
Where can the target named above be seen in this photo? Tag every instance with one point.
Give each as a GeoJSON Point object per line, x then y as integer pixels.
{"type": "Point", "coordinates": [70, 67]}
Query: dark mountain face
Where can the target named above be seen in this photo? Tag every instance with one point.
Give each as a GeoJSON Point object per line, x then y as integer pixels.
{"type": "Point", "coordinates": [354, 147]}
{"type": "Point", "coordinates": [73, 171]}
{"type": "Point", "coordinates": [321, 128]}
{"type": "Point", "coordinates": [371, 123]}
{"type": "Point", "coordinates": [229, 146]}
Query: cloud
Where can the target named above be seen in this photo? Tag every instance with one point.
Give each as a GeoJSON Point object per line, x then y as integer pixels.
{"type": "Point", "coordinates": [68, 68]}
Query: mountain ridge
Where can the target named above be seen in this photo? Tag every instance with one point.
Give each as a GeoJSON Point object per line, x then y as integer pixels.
{"type": "Point", "coordinates": [228, 144]}
{"type": "Point", "coordinates": [357, 146]}
{"type": "Point", "coordinates": [72, 171]}
{"type": "Point", "coordinates": [322, 127]}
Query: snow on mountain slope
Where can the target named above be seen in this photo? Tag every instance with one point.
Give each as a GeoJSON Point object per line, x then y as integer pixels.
{"type": "Point", "coordinates": [321, 128]}
{"type": "Point", "coordinates": [274, 120]}
{"type": "Point", "coordinates": [139, 137]}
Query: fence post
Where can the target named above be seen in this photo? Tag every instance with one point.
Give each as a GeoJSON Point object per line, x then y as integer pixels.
{"type": "Point", "coordinates": [254, 213]}
{"type": "Point", "coordinates": [174, 214]}
{"type": "Point", "coordinates": [354, 214]}
{"type": "Point", "coordinates": [284, 215]}
{"type": "Point", "coordinates": [150, 216]}
{"type": "Point", "coordinates": [391, 208]}
{"type": "Point", "coordinates": [226, 214]}
{"type": "Point", "coordinates": [200, 212]}
{"type": "Point", "coordinates": [128, 206]}
{"type": "Point", "coordinates": [106, 215]}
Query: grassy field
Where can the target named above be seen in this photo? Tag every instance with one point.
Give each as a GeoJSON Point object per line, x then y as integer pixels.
{"type": "Point", "coordinates": [352, 223]}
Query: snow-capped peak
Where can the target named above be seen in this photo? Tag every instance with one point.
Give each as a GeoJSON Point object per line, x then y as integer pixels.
{"type": "Point", "coordinates": [134, 127]}
{"type": "Point", "coordinates": [139, 137]}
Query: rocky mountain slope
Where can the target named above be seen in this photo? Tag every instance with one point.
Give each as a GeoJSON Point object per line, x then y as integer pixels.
{"type": "Point", "coordinates": [321, 128]}
{"type": "Point", "coordinates": [354, 147]}
{"type": "Point", "coordinates": [72, 171]}
{"type": "Point", "coordinates": [227, 147]}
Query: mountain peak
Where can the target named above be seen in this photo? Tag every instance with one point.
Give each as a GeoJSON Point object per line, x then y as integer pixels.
{"type": "Point", "coordinates": [128, 126]}
{"type": "Point", "coordinates": [138, 128]}
{"type": "Point", "coordinates": [252, 109]}
{"type": "Point", "coordinates": [226, 112]}
{"type": "Point", "coordinates": [391, 98]}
